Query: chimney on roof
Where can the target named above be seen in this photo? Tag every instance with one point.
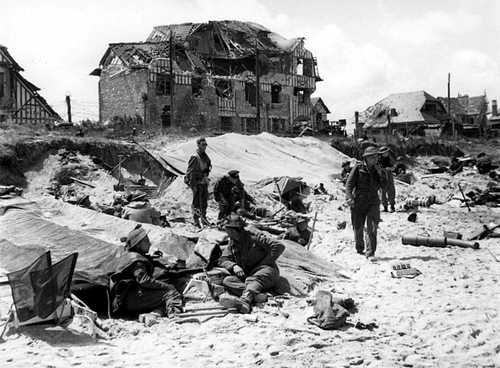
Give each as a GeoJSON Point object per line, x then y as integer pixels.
{"type": "Point", "coordinates": [356, 117]}
{"type": "Point", "coordinates": [494, 108]}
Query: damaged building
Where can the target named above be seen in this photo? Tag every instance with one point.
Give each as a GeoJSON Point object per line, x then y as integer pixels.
{"type": "Point", "coordinates": [469, 113]}
{"type": "Point", "coordinates": [19, 98]}
{"type": "Point", "coordinates": [406, 113]}
{"type": "Point", "coordinates": [227, 75]}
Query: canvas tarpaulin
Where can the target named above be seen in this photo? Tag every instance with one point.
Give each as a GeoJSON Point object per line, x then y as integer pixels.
{"type": "Point", "coordinates": [27, 231]}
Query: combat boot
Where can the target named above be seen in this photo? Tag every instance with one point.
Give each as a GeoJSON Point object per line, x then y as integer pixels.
{"type": "Point", "coordinates": [230, 301]}
{"type": "Point", "coordinates": [392, 208]}
{"type": "Point", "coordinates": [385, 208]}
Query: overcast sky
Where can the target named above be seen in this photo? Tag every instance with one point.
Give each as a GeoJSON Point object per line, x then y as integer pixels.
{"type": "Point", "coordinates": [365, 49]}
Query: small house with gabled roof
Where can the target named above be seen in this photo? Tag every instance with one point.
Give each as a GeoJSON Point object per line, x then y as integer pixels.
{"type": "Point", "coordinates": [20, 101]}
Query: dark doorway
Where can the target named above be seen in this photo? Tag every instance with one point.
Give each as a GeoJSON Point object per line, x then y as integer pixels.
{"type": "Point", "coordinates": [165, 117]}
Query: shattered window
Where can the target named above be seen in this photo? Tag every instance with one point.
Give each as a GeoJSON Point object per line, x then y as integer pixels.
{"type": "Point", "coordinates": [196, 87]}
{"type": "Point", "coordinates": [250, 93]}
{"type": "Point", "coordinates": [308, 67]}
{"type": "Point", "coordinates": [2, 81]}
{"type": "Point", "coordinates": [300, 94]}
{"type": "Point", "coordinates": [275, 93]}
{"type": "Point", "coordinates": [223, 88]}
{"type": "Point", "coordinates": [162, 85]}
{"type": "Point", "coordinates": [165, 116]}
{"type": "Point", "coordinates": [252, 126]}
{"type": "Point", "coordinates": [226, 123]}
{"type": "Point", "coordinates": [300, 67]}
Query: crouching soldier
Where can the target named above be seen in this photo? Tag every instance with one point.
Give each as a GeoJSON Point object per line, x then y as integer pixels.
{"type": "Point", "coordinates": [251, 259]}
{"type": "Point", "coordinates": [230, 194]}
{"type": "Point", "coordinates": [300, 232]}
{"type": "Point", "coordinates": [136, 287]}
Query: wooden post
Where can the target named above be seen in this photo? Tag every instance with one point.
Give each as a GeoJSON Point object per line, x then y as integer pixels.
{"type": "Point", "coordinates": [257, 81]}
{"type": "Point", "coordinates": [388, 127]}
{"type": "Point", "coordinates": [172, 77]}
{"type": "Point", "coordinates": [449, 109]}
{"type": "Point", "coordinates": [68, 104]}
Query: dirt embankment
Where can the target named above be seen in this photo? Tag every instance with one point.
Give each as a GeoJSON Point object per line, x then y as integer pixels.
{"type": "Point", "coordinates": [16, 158]}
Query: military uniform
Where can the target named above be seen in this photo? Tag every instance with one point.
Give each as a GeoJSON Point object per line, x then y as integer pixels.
{"type": "Point", "coordinates": [228, 193]}
{"type": "Point", "coordinates": [388, 190]}
{"type": "Point", "coordinates": [135, 290]}
{"type": "Point", "coordinates": [256, 254]}
{"type": "Point", "coordinates": [362, 188]}
{"type": "Point", "coordinates": [199, 167]}
{"type": "Point", "coordinates": [294, 234]}
{"type": "Point", "coordinates": [138, 282]}
{"type": "Point", "coordinates": [141, 212]}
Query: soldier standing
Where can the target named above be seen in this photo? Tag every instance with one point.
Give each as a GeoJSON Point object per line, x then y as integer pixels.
{"type": "Point", "coordinates": [196, 178]}
{"type": "Point", "coordinates": [389, 190]}
{"type": "Point", "coordinates": [363, 183]}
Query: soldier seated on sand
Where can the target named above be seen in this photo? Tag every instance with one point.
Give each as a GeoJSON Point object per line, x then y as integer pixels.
{"type": "Point", "coordinates": [137, 285]}
{"type": "Point", "coordinates": [300, 232]}
{"type": "Point", "coordinates": [251, 258]}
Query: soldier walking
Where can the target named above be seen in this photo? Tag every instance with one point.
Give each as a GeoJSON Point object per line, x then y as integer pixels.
{"type": "Point", "coordinates": [363, 183]}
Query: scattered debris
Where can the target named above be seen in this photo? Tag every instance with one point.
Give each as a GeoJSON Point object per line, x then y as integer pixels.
{"type": "Point", "coordinates": [404, 270]}
{"type": "Point", "coordinates": [412, 217]}
{"type": "Point", "coordinates": [437, 242]}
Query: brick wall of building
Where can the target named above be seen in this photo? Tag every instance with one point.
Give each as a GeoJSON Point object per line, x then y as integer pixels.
{"type": "Point", "coordinates": [122, 95]}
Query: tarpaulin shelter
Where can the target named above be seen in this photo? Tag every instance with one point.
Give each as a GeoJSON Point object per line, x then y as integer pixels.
{"type": "Point", "coordinates": [30, 232]}
{"type": "Point", "coordinates": [286, 184]}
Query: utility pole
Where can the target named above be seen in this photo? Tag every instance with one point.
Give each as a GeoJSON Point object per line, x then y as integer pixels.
{"type": "Point", "coordinates": [449, 109]}
{"type": "Point", "coordinates": [257, 80]}
{"type": "Point", "coordinates": [172, 77]}
{"type": "Point", "coordinates": [68, 104]}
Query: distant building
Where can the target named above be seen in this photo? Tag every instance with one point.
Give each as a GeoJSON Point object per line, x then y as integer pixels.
{"type": "Point", "coordinates": [406, 113]}
{"type": "Point", "coordinates": [214, 78]}
{"type": "Point", "coordinates": [19, 98]}
{"type": "Point", "coordinates": [494, 118]}
{"type": "Point", "coordinates": [319, 113]}
{"type": "Point", "coordinates": [468, 113]}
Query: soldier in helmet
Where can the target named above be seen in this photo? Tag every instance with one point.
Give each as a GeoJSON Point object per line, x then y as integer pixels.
{"type": "Point", "coordinates": [362, 186]}
{"type": "Point", "coordinates": [136, 286]}
{"type": "Point", "coordinates": [251, 258]}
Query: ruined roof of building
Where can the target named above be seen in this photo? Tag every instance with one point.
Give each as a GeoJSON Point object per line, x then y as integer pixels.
{"type": "Point", "coordinates": [239, 39]}
{"type": "Point", "coordinates": [316, 100]}
{"type": "Point", "coordinates": [12, 63]}
{"type": "Point", "coordinates": [140, 54]}
{"type": "Point", "coordinates": [465, 105]}
{"type": "Point", "coordinates": [408, 108]}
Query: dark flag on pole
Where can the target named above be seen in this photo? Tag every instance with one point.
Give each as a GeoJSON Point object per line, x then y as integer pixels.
{"type": "Point", "coordinates": [52, 285]}
{"type": "Point", "coordinates": [39, 289]}
{"type": "Point", "coordinates": [22, 291]}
